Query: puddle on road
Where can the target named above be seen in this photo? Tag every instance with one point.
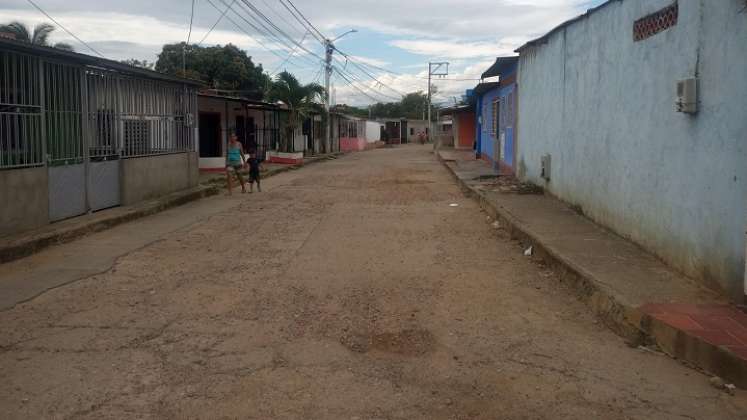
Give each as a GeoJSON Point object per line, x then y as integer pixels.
{"type": "Point", "coordinates": [412, 342]}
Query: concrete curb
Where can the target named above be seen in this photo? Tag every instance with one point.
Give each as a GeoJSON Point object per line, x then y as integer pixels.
{"type": "Point", "coordinates": [11, 250]}
{"type": "Point", "coordinates": [627, 321]}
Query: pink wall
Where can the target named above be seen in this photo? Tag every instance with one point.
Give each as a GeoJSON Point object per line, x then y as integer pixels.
{"type": "Point", "coordinates": [352, 144]}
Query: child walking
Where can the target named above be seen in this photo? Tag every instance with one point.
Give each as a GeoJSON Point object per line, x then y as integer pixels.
{"type": "Point", "coordinates": [254, 171]}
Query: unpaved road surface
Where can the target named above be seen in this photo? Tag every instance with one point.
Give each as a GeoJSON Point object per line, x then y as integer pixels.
{"type": "Point", "coordinates": [348, 290]}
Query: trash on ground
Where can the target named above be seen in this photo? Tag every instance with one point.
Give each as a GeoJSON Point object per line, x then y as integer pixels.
{"type": "Point", "coordinates": [453, 205]}
{"type": "Point", "coordinates": [529, 251]}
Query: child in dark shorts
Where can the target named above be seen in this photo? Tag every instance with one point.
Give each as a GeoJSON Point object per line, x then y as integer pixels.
{"type": "Point", "coordinates": [254, 162]}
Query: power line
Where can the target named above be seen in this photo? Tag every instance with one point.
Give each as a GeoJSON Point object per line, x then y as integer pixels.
{"type": "Point", "coordinates": [357, 79]}
{"type": "Point", "coordinates": [65, 29]}
{"type": "Point", "coordinates": [303, 30]}
{"type": "Point", "coordinates": [289, 56]}
{"type": "Point", "coordinates": [220, 18]}
{"type": "Point", "coordinates": [241, 28]}
{"type": "Point", "coordinates": [191, 19]}
{"type": "Point", "coordinates": [367, 73]}
{"type": "Point", "coordinates": [321, 36]}
{"type": "Point", "coordinates": [355, 87]}
{"type": "Point", "coordinates": [276, 28]}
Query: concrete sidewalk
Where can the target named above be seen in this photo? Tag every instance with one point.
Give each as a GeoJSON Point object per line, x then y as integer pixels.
{"type": "Point", "coordinates": [631, 290]}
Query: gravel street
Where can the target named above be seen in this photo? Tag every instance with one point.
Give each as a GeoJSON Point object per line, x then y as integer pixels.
{"type": "Point", "coordinates": [350, 289]}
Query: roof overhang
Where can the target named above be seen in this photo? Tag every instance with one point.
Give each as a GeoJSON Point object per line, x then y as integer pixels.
{"type": "Point", "coordinates": [88, 60]}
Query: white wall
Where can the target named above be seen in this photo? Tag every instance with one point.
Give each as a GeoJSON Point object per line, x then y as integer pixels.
{"type": "Point", "coordinates": [603, 106]}
{"type": "Point", "coordinates": [373, 131]}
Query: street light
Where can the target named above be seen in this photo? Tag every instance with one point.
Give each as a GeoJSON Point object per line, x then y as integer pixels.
{"type": "Point", "coordinates": [352, 31]}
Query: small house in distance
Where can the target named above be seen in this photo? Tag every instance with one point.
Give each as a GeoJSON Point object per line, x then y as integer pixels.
{"type": "Point", "coordinates": [462, 118]}
{"type": "Point", "coordinates": [256, 123]}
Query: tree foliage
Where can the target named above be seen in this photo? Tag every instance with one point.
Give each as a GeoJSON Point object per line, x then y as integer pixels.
{"type": "Point", "coordinates": [143, 64]}
{"type": "Point", "coordinates": [300, 99]}
{"type": "Point", "coordinates": [220, 67]}
{"type": "Point", "coordinates": [39, 35]}
{"type": "Point", "coordinates": [412, 106]}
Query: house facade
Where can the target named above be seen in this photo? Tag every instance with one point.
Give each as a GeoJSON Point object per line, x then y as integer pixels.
{"type": "Point", "coordinates": [463, 125]}
{"type": "Point", "coordinates": [635, 113]}
{"type": "Point", "coordinates": [351, 133]}
{"type": "Point", "coordinates": [80, 134]}
{"type": "Point", "coordinates": [256, 124]}
{"type": "Point", "coordinates": [497, 104]}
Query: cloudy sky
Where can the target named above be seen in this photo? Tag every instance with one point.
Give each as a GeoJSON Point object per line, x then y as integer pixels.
{"type": "Point", "coordinates": [394, 35]}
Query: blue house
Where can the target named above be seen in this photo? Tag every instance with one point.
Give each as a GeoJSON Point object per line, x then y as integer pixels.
{"type": "Point", "coordinates": [496, 115]}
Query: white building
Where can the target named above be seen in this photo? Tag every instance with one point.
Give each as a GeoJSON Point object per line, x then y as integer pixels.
{"type": "Point", "coordinates": [598, 104]}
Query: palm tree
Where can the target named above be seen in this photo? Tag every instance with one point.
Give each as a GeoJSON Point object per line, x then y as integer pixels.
{"type": "Point", "coordinates": [40, 35]}
{"type": "Point", "coordinates": [300, 99]}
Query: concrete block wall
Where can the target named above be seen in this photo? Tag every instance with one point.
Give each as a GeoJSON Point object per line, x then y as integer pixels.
{"type": "Point", "coordinates": [25, 199]}
{"type": "Point", "coordinates": [151, 177]}
{"type": "Point", "coordinates": [603, 106]}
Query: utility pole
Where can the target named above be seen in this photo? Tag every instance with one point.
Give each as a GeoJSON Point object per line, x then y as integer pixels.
{"type": "Point", "coordinates": [329, 48]}
{"type": "Point", "coordinates": [439, 70]}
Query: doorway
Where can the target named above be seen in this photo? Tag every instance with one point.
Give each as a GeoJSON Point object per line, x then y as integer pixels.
{"type": "Point", "coordinates": [210, 135]}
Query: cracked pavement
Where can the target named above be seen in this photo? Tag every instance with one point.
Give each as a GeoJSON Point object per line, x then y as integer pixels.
{"type": "Point", "coordinates": [348, 290]}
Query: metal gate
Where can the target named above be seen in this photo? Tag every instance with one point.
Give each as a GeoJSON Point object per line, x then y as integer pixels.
{"type": "Point", "coordinates": [102, 137]}
{"type": "Point", "coordinates": [82, 133]}
{"type": "Point", "coordinates": [63, 121]}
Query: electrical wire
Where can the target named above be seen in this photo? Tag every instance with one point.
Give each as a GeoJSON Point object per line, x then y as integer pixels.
{"type": "Point", "coordinates": [357, 79]}
{"type": "Point", "coordinates": [290, 24]}
{"type": "Point", "coordinates": [355, 87]}
{"type": "Point", "coordinates": [262, 16]}
{"type": "Point", "coordinates": [220, 18]}
{"type": "Point", "coordinates": [65, 29]}
{"type": "Point", "coordinates": [262, 44]}
{"type": "Point", "coordinates": [191, 19]}
{"type": "Point", "coordinates": [289, 56]}
{"type": "Point", "coordinates": [266, 32]}
{"type": "Point", "coordinates": [301, 19]}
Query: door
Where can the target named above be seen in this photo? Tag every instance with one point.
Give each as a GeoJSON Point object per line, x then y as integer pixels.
{"type": "Point", "coordinates": [210, 135]}
{"type": "Point", "coordinates": [403, 132]}
{"type": "Point", "coordinates": [63, 119]}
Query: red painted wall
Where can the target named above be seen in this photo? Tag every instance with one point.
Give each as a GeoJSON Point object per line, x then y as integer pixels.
{"type": "Point", "coordinates": [467, 133]}
{"type": "Point", "coordinates": [352, 144]}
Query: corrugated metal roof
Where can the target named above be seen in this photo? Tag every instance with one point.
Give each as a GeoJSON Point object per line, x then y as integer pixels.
{"type": "Point", "coordinates": [78, 58]}
{"type": "Point", "coordinates": [543, 38]}
{"type": "Point", "coordinates": [501, 66]}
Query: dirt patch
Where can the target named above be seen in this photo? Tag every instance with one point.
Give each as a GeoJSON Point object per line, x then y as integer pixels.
{"type": "Point", "coordinates": [409, 343]}
{"type": "Point", "coordinates": [511, 185]}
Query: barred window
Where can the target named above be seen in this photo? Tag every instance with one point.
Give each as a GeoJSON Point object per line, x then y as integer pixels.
{"type": "Point", "coordinates": [654, 23]}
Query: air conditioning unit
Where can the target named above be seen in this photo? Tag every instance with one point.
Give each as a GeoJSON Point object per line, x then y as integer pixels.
{"type": "Point", "coordinates": [687, 96]}
{"type": "Point", "coordinates": [546, 167]}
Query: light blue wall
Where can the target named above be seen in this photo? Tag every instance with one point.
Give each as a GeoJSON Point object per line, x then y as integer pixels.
{"type": "Point", "coordinates": [603, 106]}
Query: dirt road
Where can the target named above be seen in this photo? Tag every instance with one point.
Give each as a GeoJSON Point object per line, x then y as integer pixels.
{"type": "Point", "coordinates": [348, 290]}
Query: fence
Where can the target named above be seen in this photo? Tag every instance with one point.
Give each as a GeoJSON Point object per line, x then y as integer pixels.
{"type": "Point", "coordinates": [59, 113]}
{"type": "Point", "coordinates": [21, 112]}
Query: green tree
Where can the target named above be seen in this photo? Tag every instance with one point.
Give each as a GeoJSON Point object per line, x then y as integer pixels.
{"type": "Point", "coordinates": [143, 64]}
{"type": "Point", "coordinates": [39, 36]}
{"type": "Point", "coordinates": [220, 67]}
{"type": "Point", "coordinates": [300, 99]}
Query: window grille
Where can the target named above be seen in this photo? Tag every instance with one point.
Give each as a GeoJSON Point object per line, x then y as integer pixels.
{"type": "Point", "coordinates": [654, 23]}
